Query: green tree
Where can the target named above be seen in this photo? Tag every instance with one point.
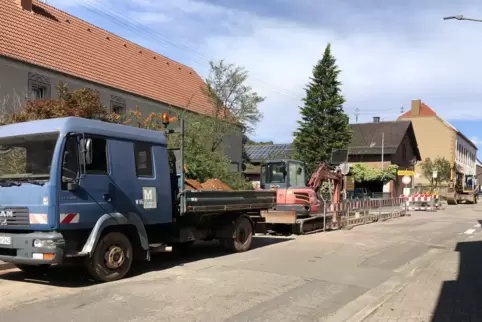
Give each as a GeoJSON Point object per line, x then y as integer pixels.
{"type": "Point", "coordinates": [443, 168]}
{"type": "Point", "coordinates": [364, 172]}
{"type": "Point", "coordinates": [324, 125]}
{"type": "Point", "coordinates": [235, 104]}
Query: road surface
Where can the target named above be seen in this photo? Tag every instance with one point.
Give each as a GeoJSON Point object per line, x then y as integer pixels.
{"type": "Point", "coordinates": [346, 275]}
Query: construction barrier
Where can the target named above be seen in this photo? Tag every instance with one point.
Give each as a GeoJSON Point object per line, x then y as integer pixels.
{"type": "Point", "coordinates": [422, 202]}
{"type": "Point", "coordinates": [353, 213]}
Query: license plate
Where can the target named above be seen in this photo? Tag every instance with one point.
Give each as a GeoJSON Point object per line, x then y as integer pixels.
{"type": "Point", "coordinates": [5, 240]}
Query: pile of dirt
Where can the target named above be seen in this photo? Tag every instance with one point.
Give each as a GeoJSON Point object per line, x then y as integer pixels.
{"type": "Point", "coordinates": [211, 184]}
{"type": "Point", "coordinates": [216, 184]}
{"type": "Point", "coordinates": [191, 184]}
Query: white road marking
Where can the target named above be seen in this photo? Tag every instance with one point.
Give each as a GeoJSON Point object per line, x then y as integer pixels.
{"type": "Point", "coordinates": [469, 231]}
{"type": "Point", "coordinates": [477, 226]}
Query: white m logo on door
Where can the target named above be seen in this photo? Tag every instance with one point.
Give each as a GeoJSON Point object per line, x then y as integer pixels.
{"type": "Point", "coordinates": [147, 194]}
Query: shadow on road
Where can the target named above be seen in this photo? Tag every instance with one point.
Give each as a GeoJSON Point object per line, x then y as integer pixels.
{"type": "Point", "coordinates": [461, 300]}
{"type": "Point", "coordinates": [78, 277]}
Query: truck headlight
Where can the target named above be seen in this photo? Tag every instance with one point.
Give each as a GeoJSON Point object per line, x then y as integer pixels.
{"type": "Point", "coordinates": [44, 243]}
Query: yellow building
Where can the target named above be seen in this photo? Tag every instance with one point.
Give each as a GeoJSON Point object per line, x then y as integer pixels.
{"type": "Point", "coordinates": [438, 138]}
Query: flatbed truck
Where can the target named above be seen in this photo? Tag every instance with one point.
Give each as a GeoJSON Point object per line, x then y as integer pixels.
{"type": "Point", "coordinates": [107, 194]}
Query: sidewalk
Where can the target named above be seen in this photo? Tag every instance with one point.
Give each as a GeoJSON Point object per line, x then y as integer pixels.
{"type": "Point", "coordinates": [449, 288]}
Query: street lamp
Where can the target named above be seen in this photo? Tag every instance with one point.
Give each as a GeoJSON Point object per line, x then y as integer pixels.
{"type": "Point", "coordinates": [461, 17]}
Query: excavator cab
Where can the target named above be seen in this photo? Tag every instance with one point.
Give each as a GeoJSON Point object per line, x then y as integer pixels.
{"type": "Point", "coordinates": [469, 184]}
{"type": "Point", "coordinates": [283, 174]}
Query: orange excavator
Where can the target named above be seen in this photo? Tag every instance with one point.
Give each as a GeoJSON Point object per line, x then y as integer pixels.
{"type": "Point", "coordinates": [299, 203]}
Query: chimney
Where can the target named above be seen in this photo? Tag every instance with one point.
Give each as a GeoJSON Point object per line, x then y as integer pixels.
{"type": "Point", "coordinates": [25, 4]}
{"type": "Point", "coordinates": [376, 119]}
{"type": "Point", "coordinates": [416, 107]}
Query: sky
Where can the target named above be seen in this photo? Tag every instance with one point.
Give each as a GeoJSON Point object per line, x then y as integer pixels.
{"type": "Point", "coordinates": [389, 52]}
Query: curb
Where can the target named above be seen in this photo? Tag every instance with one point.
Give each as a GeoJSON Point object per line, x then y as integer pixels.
{"type": "Point", "coordinates": [364, 306]}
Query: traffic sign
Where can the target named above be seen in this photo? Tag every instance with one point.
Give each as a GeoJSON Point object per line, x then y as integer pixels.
{"type": "Point", "coordinates": [405, 172]}
{"type": "Point", "coordinates": [406, 179]}
{"type": "Point", "coordinates": [350, 183]}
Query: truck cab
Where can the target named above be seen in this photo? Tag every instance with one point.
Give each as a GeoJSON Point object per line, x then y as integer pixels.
{"type": "Point", "coordinates": [65, 180]}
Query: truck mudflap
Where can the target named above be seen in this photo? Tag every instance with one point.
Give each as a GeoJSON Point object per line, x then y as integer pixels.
{"type": "Point", "coordinates": [32, 248]}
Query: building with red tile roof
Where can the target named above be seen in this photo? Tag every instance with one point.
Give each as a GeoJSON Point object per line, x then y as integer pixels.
{"type": "Point", "coordinates": [41, 45]}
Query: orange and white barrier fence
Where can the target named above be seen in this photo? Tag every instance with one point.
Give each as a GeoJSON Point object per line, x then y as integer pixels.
{"type": "Point", "coordinates": [422, 202]}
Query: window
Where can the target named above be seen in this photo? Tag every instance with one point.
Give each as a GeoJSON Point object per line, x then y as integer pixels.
{"type": "Point", "coordinates": [297, 175]}
{"type": "Point", "coordinates": [38, 86]}
{"type": "Point", "coordinates": [27, 157]}
{"type": "Point", "coordinates": [275, 173]}
{"type": "Point", "coordinates": [99, 157]}
{"type": "Point", "coordinates": [118, 109]}
{"type": "Point", "coordinates": [38, 92]}
{"type": "Point", "coordinates": [117, 105]}
{"type": "Point", "coordinates": [70, 161]}
{"type": "Point", "coordinates": [143, 159]}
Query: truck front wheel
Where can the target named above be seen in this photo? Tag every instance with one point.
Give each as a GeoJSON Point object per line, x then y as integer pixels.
{"type": "Point", "coordinates": [112, 258]}
{"type": "Point", "coordinates": [243, 236]}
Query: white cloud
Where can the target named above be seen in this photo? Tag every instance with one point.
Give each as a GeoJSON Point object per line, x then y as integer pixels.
{"type": "Point", "coordinates": [387, 57]}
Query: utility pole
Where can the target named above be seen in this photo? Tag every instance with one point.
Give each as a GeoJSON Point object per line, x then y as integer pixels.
{"type": "Point", "coordinates": [357, 112]}
{"type": "Point", "coordinates": [383, 147]}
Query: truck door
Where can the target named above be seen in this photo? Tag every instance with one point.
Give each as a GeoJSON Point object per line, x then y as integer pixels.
{"type": "Point", "coordinates": [83, 203]}
{"type": "Point", "coordinates": [141, 180]}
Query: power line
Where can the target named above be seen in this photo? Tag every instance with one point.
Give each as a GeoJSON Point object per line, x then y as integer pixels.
{"type": "Point", "coordinates": [120, 19]}
{"type": "Point", "coordinates": [138, 29]}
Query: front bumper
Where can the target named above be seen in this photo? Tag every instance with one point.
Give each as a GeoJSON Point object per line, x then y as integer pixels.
{"type": "Point", "coordinates": [21, 249]}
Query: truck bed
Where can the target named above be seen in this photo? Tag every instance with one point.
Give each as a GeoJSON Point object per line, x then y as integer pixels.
{"type": "Point", "coordinates": [207, 201]}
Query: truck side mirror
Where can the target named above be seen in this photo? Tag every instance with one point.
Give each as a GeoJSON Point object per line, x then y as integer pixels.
{"type": "Point", "coordinates": [88, 151]}
{"type": "Point", "coordinates": [299, 170]}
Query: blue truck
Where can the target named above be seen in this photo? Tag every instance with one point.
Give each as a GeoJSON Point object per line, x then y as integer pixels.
{"type": "Point", "coordinates": [74, 189]}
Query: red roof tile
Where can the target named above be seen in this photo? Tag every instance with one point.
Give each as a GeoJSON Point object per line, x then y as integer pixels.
{"type": "Point", "coordinates": [53, 39]}
{"type": "Point", "coordinates": [425, 110]}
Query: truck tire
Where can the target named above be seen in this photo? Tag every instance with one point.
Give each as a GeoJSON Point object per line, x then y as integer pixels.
{"type": "Point", "coordinates": [33, 270]}
{"type": "Point", "coordinates": [112, 258]}
{"type": "Point", "coordinates": [243, 236]}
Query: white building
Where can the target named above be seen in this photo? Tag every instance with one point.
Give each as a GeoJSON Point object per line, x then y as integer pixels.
{"type": "Point", "coordinates": [466, 155]}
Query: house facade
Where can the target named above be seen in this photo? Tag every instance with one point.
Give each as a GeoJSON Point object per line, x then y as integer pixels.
{"type": "Point", "coordinates": [438, 138]}
{"type": "Point", "coordinates": [381, 144]}
{"type": "Point", "coordinates": [42, 46]}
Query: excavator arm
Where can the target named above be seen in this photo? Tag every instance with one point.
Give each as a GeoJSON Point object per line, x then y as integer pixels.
{"type": "Point", "coordinates": [321, 174]}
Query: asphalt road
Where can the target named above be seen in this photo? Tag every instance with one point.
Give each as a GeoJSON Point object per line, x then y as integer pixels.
{"type": "Point", "coordinates": [336, 276]}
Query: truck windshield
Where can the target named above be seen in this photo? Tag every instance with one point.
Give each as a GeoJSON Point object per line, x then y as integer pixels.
{"type": "Point", "coordinates": [274, 173]}
{"type": "Point", "coordinates": [27, 158]}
